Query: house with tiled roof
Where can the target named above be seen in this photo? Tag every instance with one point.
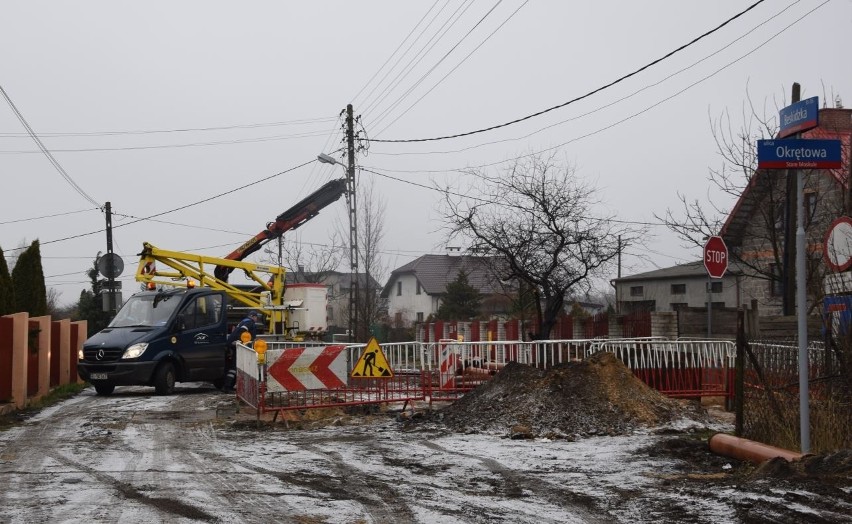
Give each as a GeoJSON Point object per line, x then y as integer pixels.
{"type": "Point", "coordinates": [415, 290]}
{"type": "Point", "coordinates": [755, 233]}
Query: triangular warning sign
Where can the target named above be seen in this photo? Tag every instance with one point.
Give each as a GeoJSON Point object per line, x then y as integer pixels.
{"type": "Point", "coordinates": [373, 363]}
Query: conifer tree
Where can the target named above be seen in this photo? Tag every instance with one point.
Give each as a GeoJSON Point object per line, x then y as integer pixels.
{"type": "Point", "coordinates": [7, 291]}
{"type": "Point", "coordinates": [462, 301]}
{"type": "Point", "coordinates": [28, 282]}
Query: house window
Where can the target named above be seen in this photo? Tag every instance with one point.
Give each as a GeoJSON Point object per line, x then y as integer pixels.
{"type": "Point", "coordinates": [776, 289]}
{"type": "Point", "coordinates": [716, 287]}
{"type": "Point", "coordinates": [397, 319]}
{"type": "Point", "coordinates": [418, 287]}
{"type": "Point", "coordinates": [677, 306]}
{"type": "Point", "coordinates": [419, 316]}
{"type": "Point", "coordinates": [399, 289]}
{"type": "Point", "coordinates": [636, 291]}
{"type": "Point", "coordinates": [810, 206]}
{"type": "Point", "coordinates": [678, 289]}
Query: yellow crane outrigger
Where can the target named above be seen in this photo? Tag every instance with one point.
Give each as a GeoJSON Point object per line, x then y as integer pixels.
{"type": "Point", "coordinates": [190, 270]}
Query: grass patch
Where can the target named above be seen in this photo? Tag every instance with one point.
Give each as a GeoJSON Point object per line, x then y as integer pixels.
{"type": "Point", "coordinates": [55, 396]}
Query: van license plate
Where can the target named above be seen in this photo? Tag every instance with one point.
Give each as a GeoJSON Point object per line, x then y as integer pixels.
{"type": "Point", "coordinates": [98, 376]}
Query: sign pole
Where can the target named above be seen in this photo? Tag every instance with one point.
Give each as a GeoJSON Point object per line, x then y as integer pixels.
{"type": "Point", "coordinates": [801, 307]}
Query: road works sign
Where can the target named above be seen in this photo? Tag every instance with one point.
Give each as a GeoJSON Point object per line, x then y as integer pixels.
{"type": "Point", "coordinates": [373, 363]}
{"type": "Point", "coordinates": [298, 369]}
{"type": "Point", "coordinates": [796, 153]}
{"type": "Point", "coordinates": [799, 117]}
{"type": "Point", "coordinates": [716, 257]}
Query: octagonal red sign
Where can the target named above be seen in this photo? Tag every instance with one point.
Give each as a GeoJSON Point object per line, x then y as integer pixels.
{"type": "Point", "coordinates": [716, 257]}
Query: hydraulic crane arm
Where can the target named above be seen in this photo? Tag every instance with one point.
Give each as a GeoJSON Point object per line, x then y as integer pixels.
{"type": "Point", "coordinates": [306, 209]}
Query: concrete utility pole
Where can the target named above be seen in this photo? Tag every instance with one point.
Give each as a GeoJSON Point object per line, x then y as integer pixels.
{"type": "Point", "coordinates": [353, 223]}
{"type": "Point", "coordinates": [110, 259]}
{"type": "Point", "coordinates": [788, 275]}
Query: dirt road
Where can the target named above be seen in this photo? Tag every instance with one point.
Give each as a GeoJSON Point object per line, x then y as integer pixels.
{"type": "Point", "coordinates": [136, 457]}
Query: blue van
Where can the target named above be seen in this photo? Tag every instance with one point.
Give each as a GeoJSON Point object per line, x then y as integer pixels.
{"type": "Point", "coordinates": [158, 338]}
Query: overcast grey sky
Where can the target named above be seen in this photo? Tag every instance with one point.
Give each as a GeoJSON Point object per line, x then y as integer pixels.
{"type": "Point", "coordinates": [154, 106]}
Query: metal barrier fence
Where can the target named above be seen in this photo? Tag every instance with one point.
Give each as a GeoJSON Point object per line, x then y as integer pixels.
{"type": "Point", "coordinates": [771, 395]}
{"type": "Point", "coordinates": [300, 376]}
{"type": "Point", "coordinates": [680, 368]}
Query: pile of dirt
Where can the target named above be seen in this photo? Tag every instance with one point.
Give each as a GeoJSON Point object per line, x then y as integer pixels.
{"type": "Point", "coordinates": [598, 396]}
{"type": "Point", "coordinates": [833, 465]}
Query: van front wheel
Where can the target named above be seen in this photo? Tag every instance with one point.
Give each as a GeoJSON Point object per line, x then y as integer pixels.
{"type": "Point", "coordinates": [164, 379]}
{"type": "Point", "coordinates": [104, 389]}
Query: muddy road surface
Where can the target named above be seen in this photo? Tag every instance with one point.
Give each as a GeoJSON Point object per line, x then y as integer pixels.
{"type": "Point", "coordinates": [190, 457]}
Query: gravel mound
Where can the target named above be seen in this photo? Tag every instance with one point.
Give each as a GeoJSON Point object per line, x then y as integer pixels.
{"type": "Point", "coordinates": [598, 396]}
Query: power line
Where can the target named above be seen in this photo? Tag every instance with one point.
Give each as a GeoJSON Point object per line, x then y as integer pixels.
{"type": "Point", "coordinates": [439, 82]}
{"type": "Point", "coordinates": [49, 216]}
{"type": "Point", "coordinates": [581, 97]}
{"type": "Point", "coordinates": [240, 188]}
{"type": "Point", "coordinates": [599, 108]}
{"type": "Point", "coordinates": [395, 50]}
{"type": "Point", "coordinates": [425, 51]}
{"type": "Point", "coordinates": [487, 201]}
{"type": "Point", "coordinates": [176, 130]}
{"type": "Point", "coordinates": [468, 169]}
{"type": "Point", "coordinates": [170, 146]}
{"type": "Point", "coordinates": [45, 151]}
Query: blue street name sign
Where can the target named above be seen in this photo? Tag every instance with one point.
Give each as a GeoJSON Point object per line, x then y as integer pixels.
{"type": "Point", "coordinates": [799, 117]}
{"type": "Point", "coordinates": [798, 153]}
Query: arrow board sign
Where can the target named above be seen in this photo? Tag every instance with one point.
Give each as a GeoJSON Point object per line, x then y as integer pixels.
{"type": "Point", "coordinates": [299, 369]}
{"type": "Point", "coordinates": [373, 363]}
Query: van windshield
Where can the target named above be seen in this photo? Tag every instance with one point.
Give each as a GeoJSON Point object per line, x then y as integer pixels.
{"type": "Point", "coordinates": [146, 310]}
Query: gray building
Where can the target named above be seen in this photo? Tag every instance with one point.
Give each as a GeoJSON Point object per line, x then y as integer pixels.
{"type": "Point", "coordinates": [681, 286]}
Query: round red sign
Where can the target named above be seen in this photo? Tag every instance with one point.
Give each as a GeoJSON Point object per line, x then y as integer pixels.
{"type": "Point", "coordinates": [716, 257]}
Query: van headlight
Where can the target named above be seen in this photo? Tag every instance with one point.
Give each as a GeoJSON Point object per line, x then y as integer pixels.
{"type": "Point", "coordinates": [135, 351]}
{"type": "Point", "coordinates": [80, 355]}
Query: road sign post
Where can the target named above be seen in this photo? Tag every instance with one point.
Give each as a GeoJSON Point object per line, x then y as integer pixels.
{"type": "Point", "coordinates": [715, 257]}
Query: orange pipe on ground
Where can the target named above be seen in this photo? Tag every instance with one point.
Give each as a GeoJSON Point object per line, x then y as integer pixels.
{"type": "Point", "coordinates": [749, 450]}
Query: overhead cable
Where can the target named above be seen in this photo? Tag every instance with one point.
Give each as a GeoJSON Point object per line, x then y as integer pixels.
{"type": "Point", "coordinates": [581, 97]}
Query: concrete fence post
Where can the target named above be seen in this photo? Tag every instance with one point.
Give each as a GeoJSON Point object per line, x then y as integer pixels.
{"type": "Point", "coordinates": [42, 340]}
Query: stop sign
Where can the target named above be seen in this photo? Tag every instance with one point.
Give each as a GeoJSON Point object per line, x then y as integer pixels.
{"type": "Point", "coordinates": [716, 257]}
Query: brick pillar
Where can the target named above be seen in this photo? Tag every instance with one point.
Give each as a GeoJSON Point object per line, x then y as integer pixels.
{"type": "Point", "coordinates": [60, 341]}
{"type": "Point", "coordinates": [578, 328]}
{"type": "Point", "coordinates": [18, 337]}
{"type": "Point", "coordinates": [664, 324]}
{"type": "Point", "coordinates": [42, 324]}
{"type": "Point", "coordinates": [615, 327]}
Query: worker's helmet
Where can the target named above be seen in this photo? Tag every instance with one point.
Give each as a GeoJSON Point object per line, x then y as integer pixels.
{"type": "Point", "coordinates": [254, 314]}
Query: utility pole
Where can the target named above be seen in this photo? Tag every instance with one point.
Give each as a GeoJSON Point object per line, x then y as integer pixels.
{"type": "Point", "coordinates": [788, 275]}
{"type": "Point", "coordinates": [110, 260]}
{"type": "Point", "coordinates": [353, 223]}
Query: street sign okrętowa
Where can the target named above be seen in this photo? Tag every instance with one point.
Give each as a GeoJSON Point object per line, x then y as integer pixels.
{"type": "Point", "coordinates": [716, 257]}
{"type": "Point", "coordinates": [798, 153]}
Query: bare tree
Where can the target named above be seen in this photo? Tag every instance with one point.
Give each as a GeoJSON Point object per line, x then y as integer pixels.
{"type": "Point", "coordinates": [537, 219]}
{"type": "Point", "coordinates": [305, 261]}
{"type": "Point", "coordinates": [759, 195]}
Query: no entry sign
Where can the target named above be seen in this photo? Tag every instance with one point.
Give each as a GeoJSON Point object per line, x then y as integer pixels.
{"type": "Point", "coordinates": [716, 257]}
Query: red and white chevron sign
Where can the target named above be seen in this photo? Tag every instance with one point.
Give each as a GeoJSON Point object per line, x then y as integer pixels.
{"type": "Point", "coordinates": [298, 369]}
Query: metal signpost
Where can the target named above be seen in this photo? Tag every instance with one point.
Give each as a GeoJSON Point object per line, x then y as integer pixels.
{"type": "Point", "coordinates": [716, 263]}
{"type": "Point", "coordinates": [797, 154]}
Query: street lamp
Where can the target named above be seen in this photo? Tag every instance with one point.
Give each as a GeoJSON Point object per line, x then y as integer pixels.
{"type": "Point", "coordinates": [353, 239]}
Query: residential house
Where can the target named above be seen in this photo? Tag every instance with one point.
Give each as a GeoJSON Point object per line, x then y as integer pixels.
{"type": "Point", "coordinates": [673, 288]}
{"type": "Point", "coordinates": [415, 290]}
{"type": "Point", "coordinates": [755, 233]}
